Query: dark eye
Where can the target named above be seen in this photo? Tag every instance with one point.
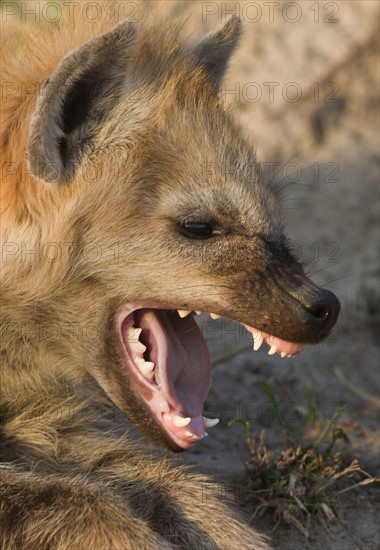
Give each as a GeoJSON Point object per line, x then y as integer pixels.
{"type": "Point", "coordinates": [198, 230]}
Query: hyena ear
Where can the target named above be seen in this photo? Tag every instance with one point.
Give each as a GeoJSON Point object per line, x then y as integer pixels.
{"type": "Point", "coordinates": [215, 50]}
{"type": "Point", "coordinates": [76, 98]}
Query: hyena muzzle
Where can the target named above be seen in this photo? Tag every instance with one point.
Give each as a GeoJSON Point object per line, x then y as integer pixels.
{"type": "Point", "coordinates": [142, 203]}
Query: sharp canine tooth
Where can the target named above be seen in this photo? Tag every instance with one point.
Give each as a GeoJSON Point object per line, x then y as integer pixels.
{"type": "Point", "coordinates": [183, 313]}
{"type": "Point", "coordinates": [210, 422]}
{"type": "Point", "coordinates": [214, 316]}
{"type": "Point", "coordinates": [257, 342]}
{"type": "Point", "coordinates": [283, 354]}
{"type": "Point", "coordinates": [198, 312]}
{"type": "Point", "coordinates": [180, 422]}
{"type": "Point", "coordinates": [272, 350]}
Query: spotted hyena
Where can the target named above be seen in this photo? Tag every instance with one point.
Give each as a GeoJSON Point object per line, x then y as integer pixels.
{"type": "Point", "coordinates": [114, 233]}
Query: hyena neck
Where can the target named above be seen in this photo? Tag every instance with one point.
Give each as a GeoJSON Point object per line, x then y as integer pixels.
{"type": "Point", "coordinates": [45, 431]}
{"type": "Point", "coordinates": [47, 398]}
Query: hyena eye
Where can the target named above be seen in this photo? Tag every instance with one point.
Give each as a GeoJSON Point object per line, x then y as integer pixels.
{"type": "Point", "coordinates": [198, 230]}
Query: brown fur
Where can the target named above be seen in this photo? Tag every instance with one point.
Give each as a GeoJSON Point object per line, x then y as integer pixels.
{"type": "Point", "coordinates": [73, 473]}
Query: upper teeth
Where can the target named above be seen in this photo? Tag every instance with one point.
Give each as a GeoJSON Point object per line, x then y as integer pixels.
{"type": "Point", "coordinates": [147, 367]}
{"type": "Point", "coordinates": [257, 341]}
{"type": "Point", "coordinates": [184, 313]}
{"type": "Point", "coordinates": [272, 350]}
{"type": "Point", "coordinates": [258, 338]}
{"type": "Point", "coordinates": [214, 316]}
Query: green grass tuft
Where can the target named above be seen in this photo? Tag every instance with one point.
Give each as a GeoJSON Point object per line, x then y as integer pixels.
{"type": "Point", "coordinates": [304, 479]}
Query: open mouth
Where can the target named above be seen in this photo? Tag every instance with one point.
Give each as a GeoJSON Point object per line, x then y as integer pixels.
{"type": "Point", "coordinates": [168, 363]}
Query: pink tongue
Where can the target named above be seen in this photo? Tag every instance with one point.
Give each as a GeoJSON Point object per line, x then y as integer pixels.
{"type": "Point", "coordinates": [183, 367]}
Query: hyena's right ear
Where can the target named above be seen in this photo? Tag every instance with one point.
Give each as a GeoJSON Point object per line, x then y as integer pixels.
{"type": "Point", "coordinates": [214, 52]}
{"type": "Point", "coordinates": [76, 98]}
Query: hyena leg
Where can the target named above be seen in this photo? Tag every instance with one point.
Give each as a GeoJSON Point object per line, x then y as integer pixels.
{"type": "Point", "coordinates": [65, 514]}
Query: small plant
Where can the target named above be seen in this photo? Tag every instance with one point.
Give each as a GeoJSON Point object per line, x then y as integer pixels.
{"type": "Point", "coordinates": [302, 480]}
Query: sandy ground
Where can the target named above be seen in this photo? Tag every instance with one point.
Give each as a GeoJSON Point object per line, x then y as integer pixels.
{"type": "Point", "coordinates": [304, 84]}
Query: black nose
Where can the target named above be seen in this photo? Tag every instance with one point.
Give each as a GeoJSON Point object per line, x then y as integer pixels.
{"type": "Point", "coordinates": [325, 309]}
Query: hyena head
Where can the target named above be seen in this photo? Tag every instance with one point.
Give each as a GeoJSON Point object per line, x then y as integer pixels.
{"type": "Point", "coordinates": [169, 193]}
